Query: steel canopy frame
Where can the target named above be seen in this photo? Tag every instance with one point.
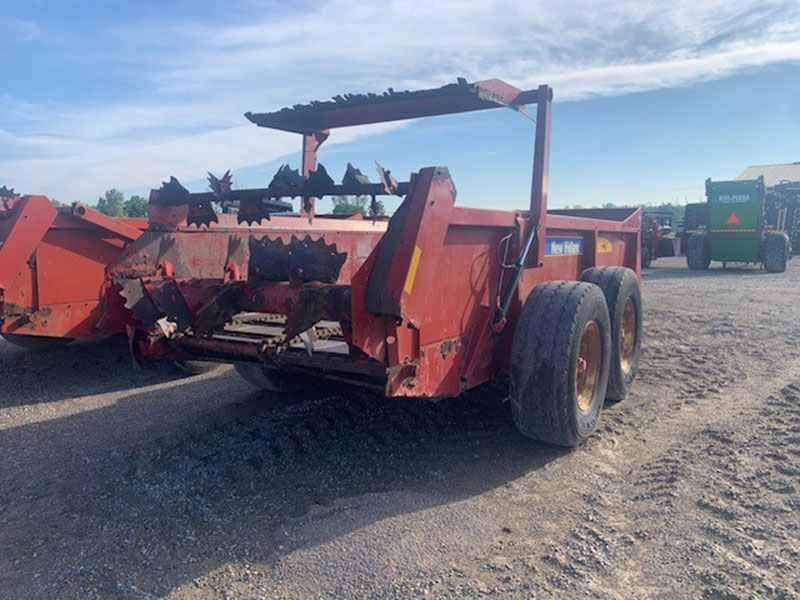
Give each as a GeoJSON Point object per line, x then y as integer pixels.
{"type": "Point", "coordinates": [314, 121]}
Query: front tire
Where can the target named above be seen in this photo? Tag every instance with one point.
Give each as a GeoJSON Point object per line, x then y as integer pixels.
{"type": "Point", "coordinates": [624, 300]}
{"type": "Point", "coordinates": [272, 380]}
{"type": "Point", "coordinates": [698, 255]}
{"type": "Point", "coordinates": [776, 252]}
{"type": "Point", "coordinates": [560, 360]}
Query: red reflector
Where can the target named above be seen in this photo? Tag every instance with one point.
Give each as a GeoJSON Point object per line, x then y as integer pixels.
{"type": "Point", "coordinates": [733, 219]}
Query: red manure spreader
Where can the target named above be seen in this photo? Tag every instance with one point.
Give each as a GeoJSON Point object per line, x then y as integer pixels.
{"type": "Point", "coordinates": [53, 269]}
{"type": "Point", "coordinates": [432, 302]}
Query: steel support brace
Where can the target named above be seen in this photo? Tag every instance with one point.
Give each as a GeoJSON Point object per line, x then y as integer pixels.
{"type": "Point", "coordinates": [311, 143]}
{"type": "Point", "coordinates": [541, 169]}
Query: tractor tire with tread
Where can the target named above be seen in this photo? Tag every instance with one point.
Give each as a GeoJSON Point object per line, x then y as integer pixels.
{"type": "Point", "coordinates": [552, 399]}
{"type": "Point", "coordinates": [624, 299]}
{"type": "Point", "coordinates": [698, 256]}
{"type": "Point", "coordinates": [776, 252]}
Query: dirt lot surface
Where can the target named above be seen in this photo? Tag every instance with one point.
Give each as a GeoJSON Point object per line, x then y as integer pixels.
{"type": "Point", "coordinates": [124, 484]}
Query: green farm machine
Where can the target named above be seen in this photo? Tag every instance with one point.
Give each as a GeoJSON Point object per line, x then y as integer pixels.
{"type": "Point", "coordinates": [738, 230]}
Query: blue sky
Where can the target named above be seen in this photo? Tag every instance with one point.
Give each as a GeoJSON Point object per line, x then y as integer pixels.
{"type": "Point", "coordinates": [651, 97]}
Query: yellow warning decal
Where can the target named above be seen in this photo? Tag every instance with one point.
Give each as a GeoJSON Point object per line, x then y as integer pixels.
{"type": "Point", "coordinates": [604, 245]}
{"type": "Point", "coordinates": [412, 270]}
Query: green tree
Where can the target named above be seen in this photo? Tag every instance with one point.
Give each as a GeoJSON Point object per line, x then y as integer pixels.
{"type": "Point", "coordinates": [135, 206]}
{"type": "Point", "coordinates": [112, 203]}
{"type": "Point", "coordinates": [55, 203]}
{"type": "Point", "coordinates": [350, 205]}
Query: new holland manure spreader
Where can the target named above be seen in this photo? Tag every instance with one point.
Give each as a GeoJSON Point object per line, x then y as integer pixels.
{"type": "Point", "coordinates": [435, 301]}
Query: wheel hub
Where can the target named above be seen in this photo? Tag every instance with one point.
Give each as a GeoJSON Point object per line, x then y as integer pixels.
{"type": "Point", "coordinates": [590, 356]}
{"type": "Point", "coordinates": [627, 335]}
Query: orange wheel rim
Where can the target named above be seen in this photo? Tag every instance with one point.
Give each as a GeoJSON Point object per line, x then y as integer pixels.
{"type": "Point", "coordinates": [627, 335]}
{"type": "Point", "coordinates": [590, 356]}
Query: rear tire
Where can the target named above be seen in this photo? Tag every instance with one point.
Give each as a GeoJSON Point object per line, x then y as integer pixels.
{"type": "Point", "coordinates": [38, 343]}
{"type": "Point", "coordinates": [195, 367]}
{"type": "Point", "coordinates": [560, 360]}
{"type": "Point", "coordinates": [624, 300]}
{"type": "Point", "coordinates": [698, 255]}
{"type": "Point", "coordinates": [776, 252]}
{"type": "Point", "coordinates": [272, 380]}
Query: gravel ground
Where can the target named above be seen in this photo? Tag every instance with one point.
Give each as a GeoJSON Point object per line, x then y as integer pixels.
{"type": "Point", "coordinates": [139, 484]}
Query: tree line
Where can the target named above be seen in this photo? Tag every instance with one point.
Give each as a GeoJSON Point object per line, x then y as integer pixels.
{"type": "Point", "coordinates": [351, 205]}
{"type": "Point", "coordinates": [114, 204]}
{"type": "Point", "coordinates": [677, 210]}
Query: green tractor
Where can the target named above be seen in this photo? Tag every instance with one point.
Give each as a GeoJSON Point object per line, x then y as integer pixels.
{"type": "Point", "coordinates": [737, 230]}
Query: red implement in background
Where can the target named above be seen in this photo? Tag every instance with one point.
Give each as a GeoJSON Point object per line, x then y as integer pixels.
{"type": "Point", "coordinates": [52, 268]}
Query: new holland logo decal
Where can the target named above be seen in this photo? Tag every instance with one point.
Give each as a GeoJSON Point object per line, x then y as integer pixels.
{"type": "Point", "coordinates": [563, 246]}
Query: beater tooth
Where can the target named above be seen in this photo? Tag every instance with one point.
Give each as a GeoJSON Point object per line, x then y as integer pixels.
{"type": "Point", "coordinates": [219, 308]}
{"type": "Point", "coordinates": [6, 192]}
{"type": "Point", "coordinates": [202, 214]}
{"type": "Point", "coordinates": [138, 301]}
{"type": "Point", "coordinates": [300, 260]}
{"type": "Point", "coordinates": [172, 305]}
{"type": "Point", "coordinates": [172, 193]}
{"type": "Point", "coordinates": [390, 184]}
{"type": "Point", "coordinates": [221, 186]}
{"type": "Point", "coordinates": [318, 182]}
{"type": "Point", "coordinates": [252, 211]}
{"type": "Point", "coordinates": [287, 182]}
{"type": "Point", "coordinates": [354, 176]}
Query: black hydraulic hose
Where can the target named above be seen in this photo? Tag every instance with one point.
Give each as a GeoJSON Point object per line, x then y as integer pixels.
{"type": "Point", "coordinates": [513, 283]}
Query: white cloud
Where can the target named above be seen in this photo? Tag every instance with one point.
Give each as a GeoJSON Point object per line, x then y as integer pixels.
{"type": "Point", "coordinates": [87, 169]}
{"type": "Point", "coordinates": [198, 78]}
{"type": "Point", "coordinates": [19, 30]}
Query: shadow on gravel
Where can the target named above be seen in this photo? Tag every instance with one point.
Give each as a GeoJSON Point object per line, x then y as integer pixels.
{"type": "Point", "coordinates": [127, 521]}
{"type": "Point", "coordinates": [655, 273]}
{"type": "Point", "coordinates": [80, 369]}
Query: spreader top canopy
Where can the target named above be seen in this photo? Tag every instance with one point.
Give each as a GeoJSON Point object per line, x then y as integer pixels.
{"type": "Point", "coordinates": [360, 109]}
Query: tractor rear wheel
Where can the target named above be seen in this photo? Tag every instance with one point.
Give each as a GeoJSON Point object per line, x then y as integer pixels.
{"type": "Point", "coordinates": [624, 300]}
{"type": "Point", "coordinates": [272, 380]}
{"type": "Point", "coordinates": [776, 252]}
{"type": "Point", "coordinates": [560, 361]}
{"type": "Point", "coordinates": [698, 256]}
{"type": "Point", "coordinates": [36, 342]}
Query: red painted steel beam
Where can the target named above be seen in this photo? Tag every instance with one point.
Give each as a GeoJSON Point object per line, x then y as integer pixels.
{"type": "Point", "coordinates": [564, 221]}
{"type": "Point", "coordinates": [114, 226]}
{"type": "Point", "coordinates": [311, 143]}
{"type": "Point", "coordinates": [20, 234]}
